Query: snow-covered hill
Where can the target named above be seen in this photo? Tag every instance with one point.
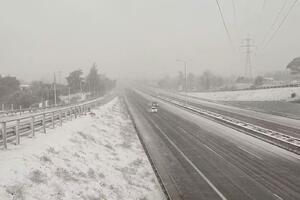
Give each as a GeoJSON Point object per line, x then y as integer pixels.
{"type": "Point", "coordinates": [94, 157]}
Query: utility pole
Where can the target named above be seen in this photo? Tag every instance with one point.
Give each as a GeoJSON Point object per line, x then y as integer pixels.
{"type": "Point", "coordinates": [81, 87]}
{"type": "Point", "coordinates": [185, 78]}
{"type": "Point", "coordinates": [54, 89]}
{"type": "Point", "coordinates": [248, 46]}
{"type": "Point", "coordinates": [69, 95]}
{"type": "Point", "coordinates": [59, 77]}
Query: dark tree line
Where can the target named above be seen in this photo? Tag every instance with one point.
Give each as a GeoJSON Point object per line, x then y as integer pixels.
{"type": "Point", "coordinates": [12, 92]}
{"type": "Point", "coordinates": [94, 83]}
{"type": "Point", "coordinates": [8, 86]}
{"type": "Point", "coordinates": [294, 66]}
{"type": "Point", "coordinates": [206, 81]}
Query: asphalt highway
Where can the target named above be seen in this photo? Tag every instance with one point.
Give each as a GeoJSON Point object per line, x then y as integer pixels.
{"type": "Point", "coordinates": [276, 123]}
{"type": "Point", "coordinates": [200, 159]}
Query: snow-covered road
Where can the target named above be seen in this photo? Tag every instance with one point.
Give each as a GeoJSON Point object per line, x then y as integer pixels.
{"type": "Point", "coordinates": [93, 157]}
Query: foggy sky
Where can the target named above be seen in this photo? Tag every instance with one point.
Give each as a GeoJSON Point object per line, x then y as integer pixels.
{"type": "Point", "coordinates": [139, 38]}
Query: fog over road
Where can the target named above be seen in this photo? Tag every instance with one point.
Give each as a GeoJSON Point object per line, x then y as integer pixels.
{"type": "Point", "coordinates": [201, 159]}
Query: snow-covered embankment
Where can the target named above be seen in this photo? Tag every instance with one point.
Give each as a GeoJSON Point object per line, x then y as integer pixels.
{"type": "Point", "coordinates": [93, 157]}
{"type": "Point", "coordinates": [271, 94]}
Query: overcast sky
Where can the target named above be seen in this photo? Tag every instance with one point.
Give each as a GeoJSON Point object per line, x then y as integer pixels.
{"type": "Point", "coordinates": [140, 38]}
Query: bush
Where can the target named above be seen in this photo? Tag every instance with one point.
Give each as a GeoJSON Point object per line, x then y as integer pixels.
{"type": "Point", "coordinates": [24, 99]}
{"type": "Point", "coordinates": [293, 95]}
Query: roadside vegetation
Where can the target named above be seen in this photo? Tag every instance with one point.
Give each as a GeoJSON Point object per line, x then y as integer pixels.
{"type": "Point", "coordinates": [210, 81]}
{"type": "Point", "coordinates": [14, 94]}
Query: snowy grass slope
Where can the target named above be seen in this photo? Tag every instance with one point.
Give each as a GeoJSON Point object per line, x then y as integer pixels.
{"type": "Point", "coordinates": [271, 94]}
{"type": "Point", "coordinates": [93, 157]}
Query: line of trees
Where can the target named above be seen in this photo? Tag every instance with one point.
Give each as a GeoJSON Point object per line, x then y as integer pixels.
{"type": "Point", "coordinates": [94, 83]}
{"type": "Point", "coordinates": [12, 92]}
{"type": "Point", "coordinates": [294, 66]}
{"type": "Point", "coordinates": [206, 81]}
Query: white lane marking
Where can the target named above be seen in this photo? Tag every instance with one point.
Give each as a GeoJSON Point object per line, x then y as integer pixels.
{"type": "Point", "coordinates": [212, 150]}
{"type": "Point", "coordinates": [256, 156]}
{"type": "Point", "coordinates": [203, 144]}
{"type": "Point", "coordinates": [182, 130]}
{"type": "Point", "coordinates": [191, 163]}
{"type": "Point", "coordinates": [277, 196]}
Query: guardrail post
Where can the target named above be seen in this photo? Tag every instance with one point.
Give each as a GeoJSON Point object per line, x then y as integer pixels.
{"type": "Point", "coordinates": [53, 123]}
{"type": "Point", "coordinates": [70, 114]}
{"type": "Point", "coordinates": [4, 134]}
{"type": "Point", "coordinates": [44, 122]}
{"type": "Point", "coordinates": [75, 112]}
{"type": "Point", "coordinates": [80, 110]}
{"type": "Point", "coordinates": [32, 126]}
{"type": "Point", "coordinates": [2, 107]}
{"type": "Point", "coordinates": [18, 132]}
{"type": "Point", "coordinates": [60, 118]}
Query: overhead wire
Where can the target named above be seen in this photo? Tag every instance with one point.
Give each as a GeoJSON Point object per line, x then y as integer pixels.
{"type": "Point", "coordinates": [225, 26]}
{"type": "Point", "coordinates": [281, 23]}
{"type": "Point", "coordinates": [275, 21]}
{"type": "Point", "coordinates": [234, 11]}
{"type": "Point", "coordinates": [264, 5]}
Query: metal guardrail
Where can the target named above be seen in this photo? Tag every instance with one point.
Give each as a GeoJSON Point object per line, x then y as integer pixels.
{"type": "Point", "coordinates": [12, 129]}
{"type": "Point", "coordinates": [247, 89]}
{"type": "Point", "coordinates": [262, 87]}
{"type": "Point", "coordinates": [278, 86]}
{"type": "Point", "coordinates": [35, 108]}
{"type": "Point", "coordinates": [279, 139]}
{"type": "Point", "coordinates": [26, 110]}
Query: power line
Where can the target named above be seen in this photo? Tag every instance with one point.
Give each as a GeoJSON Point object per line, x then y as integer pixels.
{"type": "Point", "coordinates": [264, 5]}
{"type": "Point", "coordinates": [225, 26]}
{"type": "Point", "coordinates": [234, 11]}
{"type": "Point", "coordinates": [279, 13]}
{"type": "Point", "coordinates": [275, 21]}
{"type": "Point", "coordinates": [281, 23]}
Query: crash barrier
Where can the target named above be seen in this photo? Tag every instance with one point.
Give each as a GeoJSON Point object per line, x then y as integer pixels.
{"type": "Point", "coordinates": [279, 139]}
{"type": "Point", "coordinates": [20, 110]}
{"type": "Point", "coordinates": [13, 129]}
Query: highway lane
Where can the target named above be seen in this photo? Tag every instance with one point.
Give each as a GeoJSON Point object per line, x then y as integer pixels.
{"type": "Point", "coordinates": [276, 123]}
{"type": "Point", "coordinates": [206, 165]}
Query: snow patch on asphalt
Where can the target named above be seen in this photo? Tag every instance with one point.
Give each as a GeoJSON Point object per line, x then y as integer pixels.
{"type": "Point", "coordinates": [93, 157]}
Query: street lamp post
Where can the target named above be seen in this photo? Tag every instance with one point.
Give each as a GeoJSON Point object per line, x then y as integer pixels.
{"type": "Point", "coordinates": [69, 96]}
{"type": "Point", "coordinates": [185, 78]}
{"type": "Point", "coordinates": [54, 89]}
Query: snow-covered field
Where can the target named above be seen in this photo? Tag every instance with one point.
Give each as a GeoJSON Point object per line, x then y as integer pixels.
{"type": "Point", "coordinates": [93, 158]}
{"type": "Point", "coordinates": [272, 94]}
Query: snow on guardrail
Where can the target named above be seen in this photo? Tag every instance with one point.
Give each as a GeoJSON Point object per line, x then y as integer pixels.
{"type": "Point", "coordinates": [285, 141]}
